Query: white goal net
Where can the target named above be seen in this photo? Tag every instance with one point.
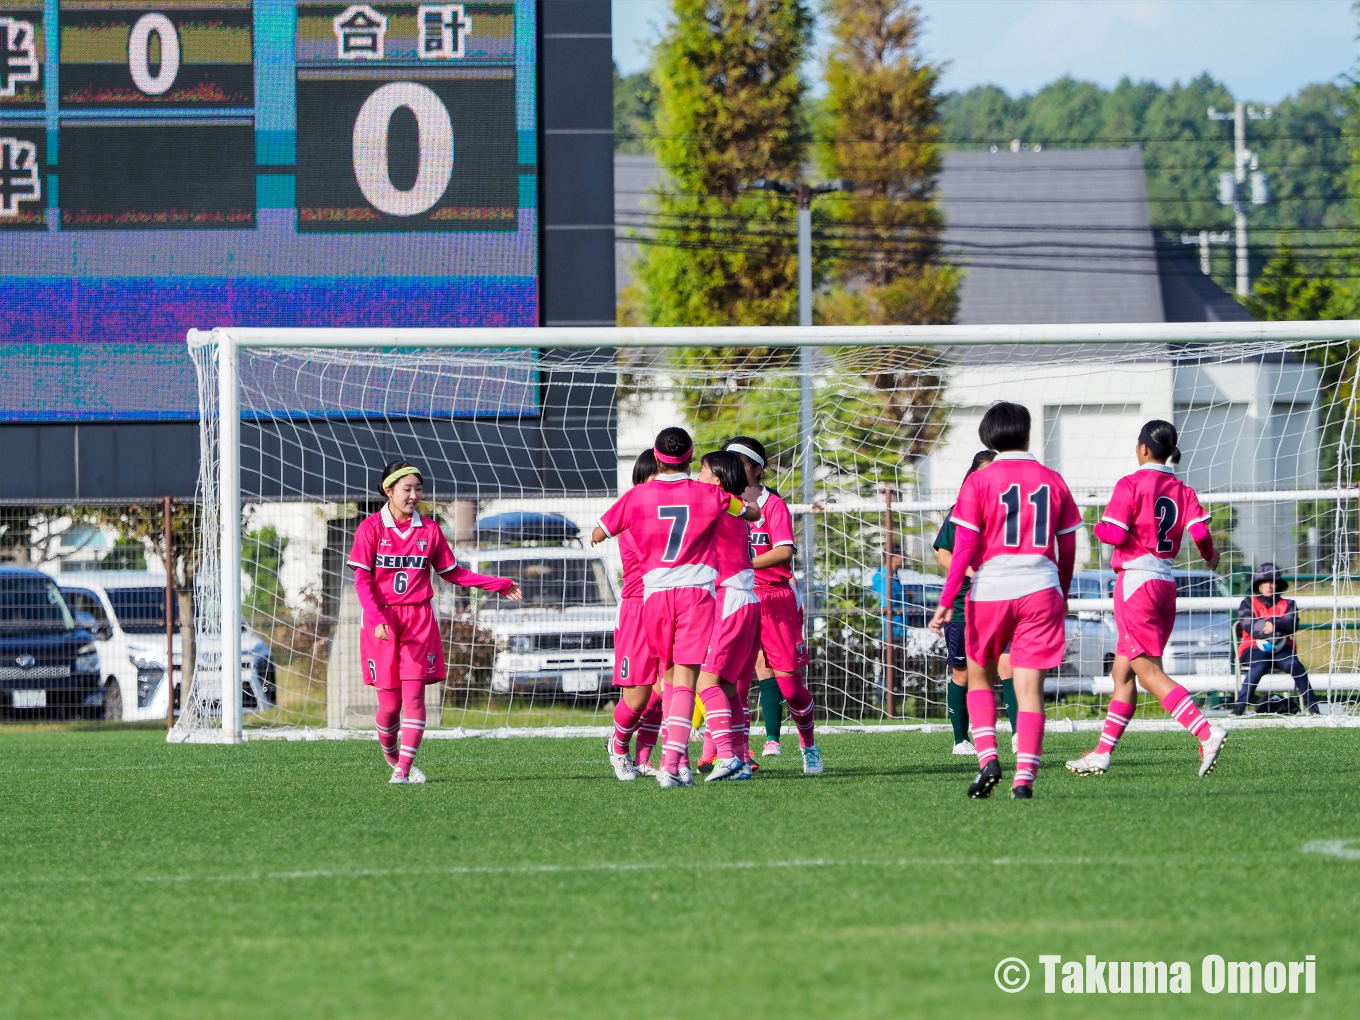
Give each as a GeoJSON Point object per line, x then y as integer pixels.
{"type": "Point", "coordinates": [523, 447]}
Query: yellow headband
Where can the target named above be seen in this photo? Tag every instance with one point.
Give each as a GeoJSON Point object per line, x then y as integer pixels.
{"type": "Point", "coordinates": [398, 475]}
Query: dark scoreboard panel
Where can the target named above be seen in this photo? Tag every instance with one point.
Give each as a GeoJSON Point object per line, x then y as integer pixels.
{"type": "Point", "coordinates": [254, 162]}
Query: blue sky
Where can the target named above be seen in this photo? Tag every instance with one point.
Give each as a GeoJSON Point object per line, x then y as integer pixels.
{"type": "Point", "coordinates": [1262, 49]}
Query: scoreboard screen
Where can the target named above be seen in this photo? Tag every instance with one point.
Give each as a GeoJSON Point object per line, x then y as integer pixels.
{"type": "Point", "coordinates": [201, 163]}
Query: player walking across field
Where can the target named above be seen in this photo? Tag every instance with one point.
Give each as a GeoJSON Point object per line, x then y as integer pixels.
{"type": "Point", "coordinates": [783, 651]}
{"type": "Point", "coordinates": [1017, 529]}
{"type": "Point", "coordinates": [399, 641]}
{"type": "Point", "coordinates": [956, 693]}
{"type": "Point", "coordinates": [635, 667]}
{"type": "Point", "coordinates": [1148, 514]}
{"type": "Point", "coordinates": [674, 519]}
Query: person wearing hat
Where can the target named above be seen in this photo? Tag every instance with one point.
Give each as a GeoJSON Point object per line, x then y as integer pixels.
{"type": "Point", "coordinates": [1266, 622]}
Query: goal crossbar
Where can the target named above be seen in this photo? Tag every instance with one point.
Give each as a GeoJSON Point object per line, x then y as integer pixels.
{"type": "Point", "coordinates": [577, 337]}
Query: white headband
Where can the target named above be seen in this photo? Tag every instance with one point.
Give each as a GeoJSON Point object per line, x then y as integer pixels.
{"type": "Point", "coordinates": [746, 451]}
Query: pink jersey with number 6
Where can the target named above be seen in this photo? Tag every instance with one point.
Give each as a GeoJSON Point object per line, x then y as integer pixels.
{"type": "Point", "coordinates": [400, 560]}
{"type": "Point", "coordinates": [672, 519]}
{"type": "Point", "coordinates": [1156, 509]}
{"type": "Point", "coordinates": [1018, 507]}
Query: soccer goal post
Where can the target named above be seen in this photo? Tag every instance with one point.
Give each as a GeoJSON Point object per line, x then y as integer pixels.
{"type": "Point", "coordinates": [525, 436]}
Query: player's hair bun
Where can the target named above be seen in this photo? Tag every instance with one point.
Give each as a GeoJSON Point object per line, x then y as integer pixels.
{"type": "Point", "coordinates": [1160, 438]}
{"type": "Point", "coordinates": [673, 442]}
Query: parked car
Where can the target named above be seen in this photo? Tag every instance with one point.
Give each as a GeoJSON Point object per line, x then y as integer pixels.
{"type": "Point", "coordinates": [127, 611]}
{"type": "Point", "coordinates": [1201, 641]}
{"type": "Point", "coordinates": [559, 640]}
{"type": "Point", "coordinates": [49, 664]}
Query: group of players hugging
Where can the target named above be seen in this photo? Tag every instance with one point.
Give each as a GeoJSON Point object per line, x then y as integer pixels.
{"type": "Point", "coordinates": [709, 602]}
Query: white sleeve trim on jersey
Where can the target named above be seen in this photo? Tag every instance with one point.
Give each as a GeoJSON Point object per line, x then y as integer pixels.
{"type": "Point", "coordinates": [360, 566]}
{"type": "Point", "coordinates": [787, 541]}
{"type": "Point", "coordinates": [1107, 519]}
{"type": "Point", "coordinates": [607, 532]}
{"type": "Point", "coordinates": [1199, 520]}
{"type": "Point", "coordinates": [451, 566]}
{"type": "Point", "coordinates": [965, 524]}
{"type": "Point", "coordinates": [1075, 527]}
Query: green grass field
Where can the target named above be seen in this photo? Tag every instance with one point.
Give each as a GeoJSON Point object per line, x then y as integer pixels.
{"type": "Point", "coordinates": [287, 879]}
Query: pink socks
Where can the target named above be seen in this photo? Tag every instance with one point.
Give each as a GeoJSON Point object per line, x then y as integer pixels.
{"type": "Point", "coordinates": [1182, 708]}
{"type": "Point", "coordinates": [649, 728]}
{"type": "Point", "coordinates": [741, 721]}
{"type": "Point", "coordinates": [799, 700]}
{"type": "Point", "coordinates": [1029, 729]}
{"type": "Point", "coordinates": [389, 722]}
{"type": "Point", "coordinates": [413, 726]}
{"type": "Point", "coordinates": [718, 716]}
{"type": "Point", "coordinates": [679, 721]}
{"type": "Point", "coordinates": [1116, 721]}
{"type": "Point", "coordinates": [982, 717]}
{"type": "Point", "coordinates": [626, 722]}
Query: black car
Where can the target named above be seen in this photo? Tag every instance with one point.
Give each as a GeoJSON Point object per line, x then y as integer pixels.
{"type": "Point", "coordinates": [49, 665]}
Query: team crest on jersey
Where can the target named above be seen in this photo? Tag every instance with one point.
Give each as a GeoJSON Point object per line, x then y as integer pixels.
{"type": "Point", "coordinates": [421, 544]}
{"type": "Point", "coordinates": [430, 659]}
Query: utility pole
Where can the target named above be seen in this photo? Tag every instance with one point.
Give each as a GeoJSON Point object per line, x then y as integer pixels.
{"type": "Point", "coordinates": [1232, 187]}
{"type": "Point", "coordinates": [804, 193]}
{"type": "Point", "coordinates": [1204, 239]}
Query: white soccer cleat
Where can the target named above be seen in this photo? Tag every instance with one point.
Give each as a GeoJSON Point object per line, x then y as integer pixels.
{"type": "Point", "coordinates": [747, 772]}
{"type": "Point", "coordinates": [666, 780]}
{"type": "Point", "coordinates": [812, 761]}
{"type": "Point", "coordinates": [725, 768]}
{"type": "Point", "coordinates": [624, 768]}
{"type": "Point", "coordinates": [1210, 749]}
{"type": "Point", "coordinates": [1015, 743]}
{"type": "Point", "coordinates": [413, 775]}
{"type": "Point", "coordinates": [644, 768]}
{"type": "Point", "coordinates": [1090, 764]}
{"type": "Point", "coordinates": [771, 749]}
{"type": "Point", "coordinates": [965, 747]}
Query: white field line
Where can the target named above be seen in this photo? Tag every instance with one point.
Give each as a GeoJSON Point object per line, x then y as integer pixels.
{"type": "Point", "coordinates": [600, 732]}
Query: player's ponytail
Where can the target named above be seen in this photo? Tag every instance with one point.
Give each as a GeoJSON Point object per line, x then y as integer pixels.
{"type": "Point", "coordinates": [644, 467]}
{"type": "Point", "coordinates": [1160, 438]}
{"type": "Point", "coordinates": [980, 460]}
{"type": "Point", "coordinates": [394, 472]}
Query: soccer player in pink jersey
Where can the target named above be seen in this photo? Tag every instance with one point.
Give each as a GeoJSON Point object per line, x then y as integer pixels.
{"type": "Point", "coordinates": [1017, 529]}
{"type": "Point", "coordinates": [1148, 514]}
{"type": "Point", "coordinates": [783, 650]}
{"type": "Point", "coordinates": [735, 640]}
{"type": "Point", "coordinates": [399, 641]}
{"type": "Point", "coordinates": [673, 519]}
{"type": "Point", "coordinates": [635, 670]}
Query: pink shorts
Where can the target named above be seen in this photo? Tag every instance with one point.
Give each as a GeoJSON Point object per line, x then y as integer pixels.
{"type": "Point", "coordinates": [734, 643]}
{"type": "Point", "coordinates": [781, 629]}
{"type": "Point", "coordinates": [1032, 625]}
{"type": "Point", "coordinates": [413, 652]}
{"type": "Point", "coordinates": [678, 623]}
{"type": "Point", "coordinates": [1144, 621]}
{"type": "Point", "coordinates": [634, 663]}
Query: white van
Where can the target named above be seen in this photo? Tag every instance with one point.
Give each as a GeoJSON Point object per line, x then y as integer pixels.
{"type": "Point", "coordinates": [128, 607]}
{"type": "Point", "coordinates": [559, 640]}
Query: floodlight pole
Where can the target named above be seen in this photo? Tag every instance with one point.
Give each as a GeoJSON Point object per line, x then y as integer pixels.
{"type": "Point", "coordinates": [229, 529]}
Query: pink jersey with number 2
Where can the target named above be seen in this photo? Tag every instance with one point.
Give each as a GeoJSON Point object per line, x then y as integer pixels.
{"type": "Point", "coordinates": [672, 519]}
{"type": "Point", "coordinates": [1156, 509]}
{"type": "Point", "coordinates": [1018, 507]}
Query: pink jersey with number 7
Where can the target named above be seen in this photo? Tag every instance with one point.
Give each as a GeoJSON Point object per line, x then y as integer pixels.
{"type": "Point", "coordinates": [672, 520]}
{"type": "Point", "coordinates": [1018, 507]}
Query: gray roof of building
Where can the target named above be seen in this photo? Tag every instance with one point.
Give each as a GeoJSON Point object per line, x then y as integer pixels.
{"type": "Point", "coordinates": [1050, 236]}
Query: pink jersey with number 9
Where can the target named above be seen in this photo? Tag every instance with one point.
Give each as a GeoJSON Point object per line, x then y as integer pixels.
{"type": "Point", "coordinates": [1155, 508]}
{"type": "Point", "coordinates": [672, 521]}
{"type": "Point", "coordinates": [1018, 507]}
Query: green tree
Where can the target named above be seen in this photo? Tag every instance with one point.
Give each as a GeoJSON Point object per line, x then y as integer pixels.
{"type": "Point", "coordinates": [729, 110]}
{"type": "Point", "coordinates": [261, 559]}
{"type": "Point", "coordinates": [634, 111]}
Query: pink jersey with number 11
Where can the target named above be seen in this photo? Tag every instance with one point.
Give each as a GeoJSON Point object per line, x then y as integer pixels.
{"type": "Point", "coordinates": [1018, 507]}
{"type": "Point", "coordinates": [672, 519]}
